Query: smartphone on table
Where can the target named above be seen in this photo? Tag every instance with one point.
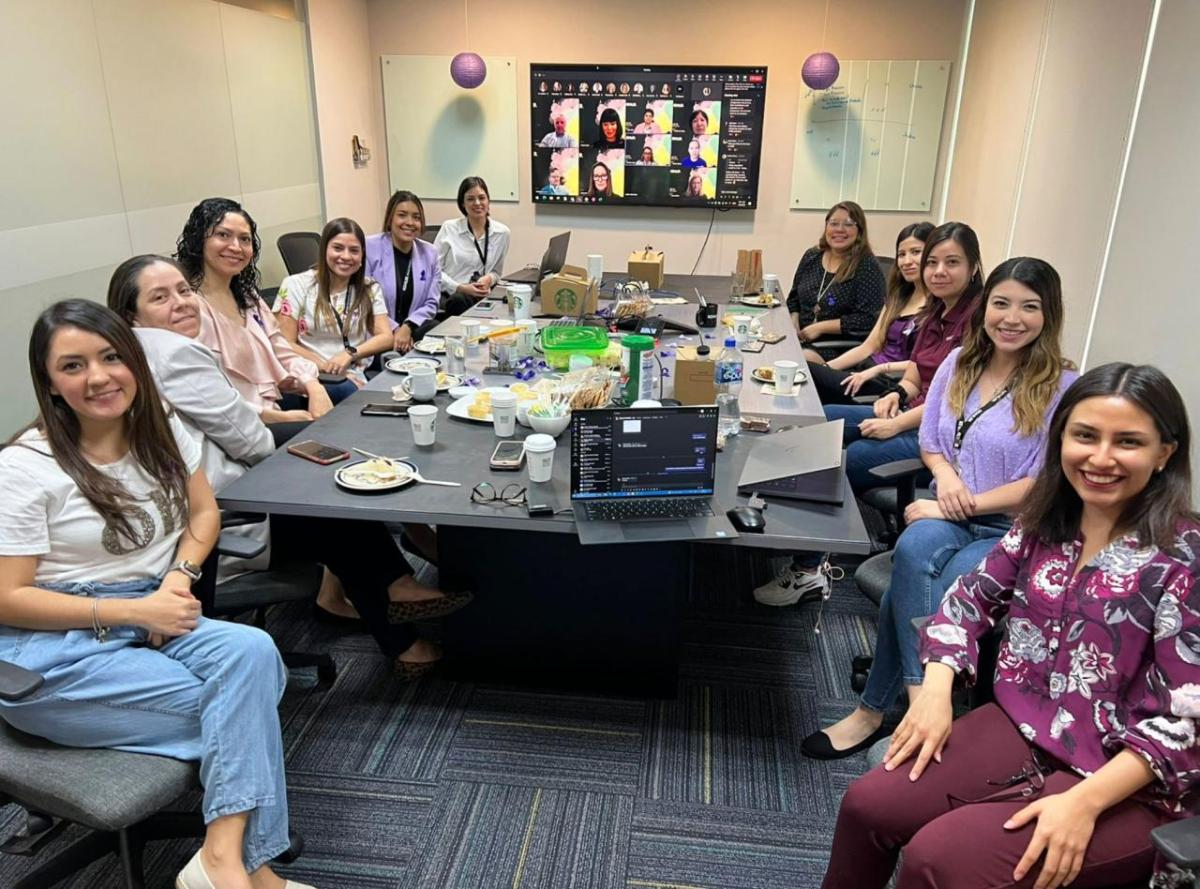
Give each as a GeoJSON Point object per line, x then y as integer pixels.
{"type": "Point", "coordinates": [318, 453]}
{"type": "Point", "coordinates": [751, 346]}
{"type": "Point", "coordinates": [508, 456]}
{"type": "Point", "coordinates": [385, 410]}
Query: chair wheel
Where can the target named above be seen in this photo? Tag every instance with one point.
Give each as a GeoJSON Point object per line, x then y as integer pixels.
{"type": "Point", "coordinates": [858, 682]}
{"type": "Point", "coordinates": [294, 850]}
{"type": "Point", "coordinates": [327, 671]}
{"type": "Point", "coordinates": [861, 663]}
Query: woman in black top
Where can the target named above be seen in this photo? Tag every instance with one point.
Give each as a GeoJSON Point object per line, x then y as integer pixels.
{"type": "Point", "coordinates": [838, 288]}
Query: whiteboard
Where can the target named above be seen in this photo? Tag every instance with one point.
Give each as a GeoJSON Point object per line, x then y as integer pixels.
{"type": "Point", "coordinates": [872, 137]}
{"type": "Point", "coordinates": [438, 132]}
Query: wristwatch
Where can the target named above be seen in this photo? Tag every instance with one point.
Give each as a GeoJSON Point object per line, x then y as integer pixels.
{"type": "Point", "coordinates": [183, 566]}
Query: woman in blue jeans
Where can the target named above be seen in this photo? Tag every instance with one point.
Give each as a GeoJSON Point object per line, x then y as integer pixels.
{"type": "Point", "coordinates": [983, 436]}
{"type": "Point", "coordinates": [887, 430]}
{"type": "Point", "coordinates": [105, 518]}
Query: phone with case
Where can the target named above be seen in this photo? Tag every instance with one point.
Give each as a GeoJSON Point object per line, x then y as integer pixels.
{"type": "Point", "coordinates": [318, 453]}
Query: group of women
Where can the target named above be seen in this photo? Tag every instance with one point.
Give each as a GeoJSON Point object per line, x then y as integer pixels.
{"type": "Point", "coordinates": [1062, 503]}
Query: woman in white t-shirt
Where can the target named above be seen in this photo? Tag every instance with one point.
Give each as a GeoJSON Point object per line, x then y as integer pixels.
{"type": "Point", "coordinates": [105, 519]}
{"type": "Point", "coordinates": [334, 315]}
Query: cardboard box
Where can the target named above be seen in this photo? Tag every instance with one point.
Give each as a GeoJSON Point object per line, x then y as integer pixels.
{"type": "Point", "coordinates": [570, 292]}
{"type": "Point", "coordinates": [695, 381]}
{"type": "Point", "coordinates": [646, 265]}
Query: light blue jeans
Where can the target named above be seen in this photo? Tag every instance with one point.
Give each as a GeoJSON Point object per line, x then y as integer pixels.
{"type": "Point", "coordinates": [211, 695]}
{"type": "Point", "coordinates": [930, 555]}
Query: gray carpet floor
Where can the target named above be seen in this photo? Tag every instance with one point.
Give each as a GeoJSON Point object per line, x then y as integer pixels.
{"type": "Point", "coordinates": [476, 786]}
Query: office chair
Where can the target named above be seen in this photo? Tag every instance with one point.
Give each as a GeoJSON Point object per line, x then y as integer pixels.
{"type": "Point", "coordinates": [299, 250]}
{"type": "Point", "coordinates": [429, 233]}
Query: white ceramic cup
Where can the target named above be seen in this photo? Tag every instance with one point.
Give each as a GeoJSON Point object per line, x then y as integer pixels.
{"type": "Point", "coordinates": [539, 456]}
{"type": "Point", "coordinates": [424, 423]}
{"type": "Point", "coordinates": [422, 382]}
{"type": "Point", "coordinates": [504, 413]}
{"type": "Point", "coordinates": [595, 266]}
{"type": "Point", "coordinates": [785, 376]}
{"type": "Point", "coordinates": [741, 328]}
{"type": "Point", "coordinates": [519, 296]}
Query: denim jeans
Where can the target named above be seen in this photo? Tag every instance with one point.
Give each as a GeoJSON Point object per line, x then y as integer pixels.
{"type": "Point", "coordinates": [211, 695]}
{"type": "Point", "coordinates": [863, 454]}
{"type": "Point", "coordinates": [930, 555]}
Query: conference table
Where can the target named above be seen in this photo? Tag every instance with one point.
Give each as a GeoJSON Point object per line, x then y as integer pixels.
{"type": "Point", "coordinates": [548, 610]}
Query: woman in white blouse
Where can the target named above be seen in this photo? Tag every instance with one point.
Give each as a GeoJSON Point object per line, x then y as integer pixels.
{"type": "Point", "coordinates": [334, 315]}
{"type": "Point", "coordinates": [471, 250]}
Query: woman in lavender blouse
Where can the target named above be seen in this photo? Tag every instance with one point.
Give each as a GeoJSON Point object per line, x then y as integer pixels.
{"type": "Point", "coordinates": [1091, 741]}
{"type": "Point", "coordinates": [982, 436]}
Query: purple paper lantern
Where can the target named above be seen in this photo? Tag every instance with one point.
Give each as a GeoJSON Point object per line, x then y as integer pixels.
{"type": "Point", "coordinates": [468, 70]}
{"type": "Point", "coordinates": [820, 70]}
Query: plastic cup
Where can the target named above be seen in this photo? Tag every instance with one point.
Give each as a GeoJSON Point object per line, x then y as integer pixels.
{"type": "Point", "coordinates": [424, 423]}
{"type": "Point", "coordinates": [539, 456]}
{"type": "Point", "coordinates": [504, 413]}
{"type": "Point", "coordinates": [456, 354]}
{"type": "Point", "coordinates": [527, 337]}
{"type": "Point", "coordinates": [519, 296]}
{"type": "Point", "coordinates": [422, 382]}
{"type": "Point", "coordinates": [785, 376]}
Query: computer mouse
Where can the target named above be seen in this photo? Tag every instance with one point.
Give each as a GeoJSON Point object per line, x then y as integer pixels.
{"type": "Point", "coordinates": [747, 518]}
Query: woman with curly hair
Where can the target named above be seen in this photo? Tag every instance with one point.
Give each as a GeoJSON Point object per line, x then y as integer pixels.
{"type": "Point", "coordinates": [218, 249]}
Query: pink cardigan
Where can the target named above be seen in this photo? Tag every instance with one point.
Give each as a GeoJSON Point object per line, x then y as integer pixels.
{"type": "Point", "coordinates": [255, 355]}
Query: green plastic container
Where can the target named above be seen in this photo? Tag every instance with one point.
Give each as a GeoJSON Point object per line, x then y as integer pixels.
{"type": "Point", "coordinates": [560, 343]}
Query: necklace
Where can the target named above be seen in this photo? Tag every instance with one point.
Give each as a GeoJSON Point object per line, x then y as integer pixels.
{"type": "Point", "coordinates": [822, 289]}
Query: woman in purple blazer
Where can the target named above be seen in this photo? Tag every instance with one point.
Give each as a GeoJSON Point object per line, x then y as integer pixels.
{"type": "Point", "coordinates": [406, 268]}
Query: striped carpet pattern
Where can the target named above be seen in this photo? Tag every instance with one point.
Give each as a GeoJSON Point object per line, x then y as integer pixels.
{"type": "Point", "coordinates": [476, 786]}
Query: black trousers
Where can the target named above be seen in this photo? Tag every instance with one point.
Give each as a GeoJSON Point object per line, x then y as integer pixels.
{"type": "Point", "coordinates": [829, 383]}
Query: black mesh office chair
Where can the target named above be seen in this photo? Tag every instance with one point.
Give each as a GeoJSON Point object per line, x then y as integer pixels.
{"type": "Point", "coordinates": [299, 250]}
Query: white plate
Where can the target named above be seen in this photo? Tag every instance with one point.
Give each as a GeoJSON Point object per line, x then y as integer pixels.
{"type": "Point", "coordinates": [458, 408]}
{"type": "Point", "coordinates": [406, 363]}
{"type": "Point", "coordinates": [757, 374]}
{"type": "Point", "coordinates": [450, 381]}
{"type": "Point", "coordinates": [801, 379]}
{"type": "Point", "coordinates": [345, 477]}
{"type": "Point", "coordinates": [757, 301]}
{"type": "Point", "coordinates": [432, 345]}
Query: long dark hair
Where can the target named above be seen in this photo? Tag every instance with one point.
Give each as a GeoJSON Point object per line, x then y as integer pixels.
{"type": "Point", "coordinates": [123, 286]}
{"type": "Point", "coordinates": [465, 186]}
{"type": "Point", "coordinates": [898, 290]}
{"type": "Point", "coordinates": [1053, 507]}
{"type": "Point", "coordinates": [964, 236]}
{"type": "Point", "coordinates": [189, 249]}
{"type": "Point", "coordinates": [1042, 362]}
{"type": "Point", "coordinates": [358, 285]}
{"type": "Point", "coordinates": [398, 198]}
{"type": "Point", "coordinates": [151, 441]}
{"type": "Point", "coordinates": [861, 246]}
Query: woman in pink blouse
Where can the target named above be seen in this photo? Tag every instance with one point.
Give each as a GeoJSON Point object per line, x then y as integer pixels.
{"type": "Point", "coordinates": [1091, 742]}
{"type": "Point", "coordinates": [218, 250]}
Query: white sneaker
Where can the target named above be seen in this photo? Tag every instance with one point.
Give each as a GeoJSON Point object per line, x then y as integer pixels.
{"type": "Point", "coordinates": [791, 586]}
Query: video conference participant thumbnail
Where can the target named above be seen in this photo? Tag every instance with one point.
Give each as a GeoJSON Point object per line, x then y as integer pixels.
{"type": "Point", "coordinates": [564, 120]}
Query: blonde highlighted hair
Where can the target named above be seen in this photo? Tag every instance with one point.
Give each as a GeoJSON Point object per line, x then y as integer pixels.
{"type": "Point", "coordinates": [1037, 376]}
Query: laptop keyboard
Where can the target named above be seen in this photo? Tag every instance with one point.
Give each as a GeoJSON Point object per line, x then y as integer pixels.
{"type": "Point", "coordinates": [648, 508]}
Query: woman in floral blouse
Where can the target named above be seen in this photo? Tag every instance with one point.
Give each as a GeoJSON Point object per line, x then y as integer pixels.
{"type": "Point", "coordinates": [1091, 742]}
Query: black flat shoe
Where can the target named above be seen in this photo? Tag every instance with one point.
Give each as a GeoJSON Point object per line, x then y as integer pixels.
{"type": "Point", "coordinates": [818, 746]}
{"type": "Point", "coordinates": [327, 617]}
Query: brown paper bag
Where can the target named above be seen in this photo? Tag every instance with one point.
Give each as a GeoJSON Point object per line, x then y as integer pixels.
{"type": "Point", "coordinates": [749, 271]}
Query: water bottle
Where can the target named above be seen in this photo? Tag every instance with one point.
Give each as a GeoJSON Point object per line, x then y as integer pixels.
{"type": "Point", "coordinates": [728, 380]}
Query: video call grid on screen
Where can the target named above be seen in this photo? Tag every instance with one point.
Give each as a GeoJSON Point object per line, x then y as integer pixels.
{"type": "Point", "coordinates": [660, 136]}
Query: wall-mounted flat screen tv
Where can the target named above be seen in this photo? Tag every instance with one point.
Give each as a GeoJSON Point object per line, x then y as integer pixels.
{"type": "Point", "coordinates": [659, 136]}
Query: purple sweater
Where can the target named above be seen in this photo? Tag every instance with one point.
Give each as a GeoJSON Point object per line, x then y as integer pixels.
{"type": "Point", "coordinates": [992, 453]}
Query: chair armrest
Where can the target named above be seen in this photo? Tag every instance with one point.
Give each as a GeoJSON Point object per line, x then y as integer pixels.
{"type": "Point", "coordinates": [239, 547]}
{"type": "Point", "coordinates": [897, 469]}
{"type": "Point", "coordinates": [17, 682]}
{"type": "Point", "coordinates": [234, 519]}
{"type": "Point", "coordinates": [1179, 842]}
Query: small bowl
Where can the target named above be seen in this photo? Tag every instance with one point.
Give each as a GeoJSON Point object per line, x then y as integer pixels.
{"type": "Point", "coordinates": [550, 425]}
{"type": "Point", "coordinates": [523, 412]}
{"type": "Point", "coordinates": [462, 391]}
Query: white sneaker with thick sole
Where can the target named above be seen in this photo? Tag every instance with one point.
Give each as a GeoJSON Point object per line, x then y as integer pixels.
{"type": "Point", "coordinates": [791, 586]}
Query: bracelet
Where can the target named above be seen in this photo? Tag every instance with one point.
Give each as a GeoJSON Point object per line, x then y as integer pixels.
{"type": "Point", "coordinates": [100, 632]}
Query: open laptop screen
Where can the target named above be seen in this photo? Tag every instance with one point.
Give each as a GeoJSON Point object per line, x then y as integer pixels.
{"type": "Point", "coordinates": [643, 452]}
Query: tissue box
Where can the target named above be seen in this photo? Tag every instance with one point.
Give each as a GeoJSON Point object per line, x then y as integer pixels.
{"type": "Point", "coordinates": [646, 265]}
{"type": "Point", "coordinates": [570, 292]}
{"type": "Point", "coordinates": [695, 377]}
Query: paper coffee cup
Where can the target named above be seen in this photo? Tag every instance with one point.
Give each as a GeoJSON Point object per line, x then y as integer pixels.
{"type": "Point", "coordinates": [595, 266]}
{"type": "Point", "coordinates": [504, 414]}
{"type": "Point", "coordinates": [771, 285]}
{"type": "Point", "coordinates": [519, 296]}
{"type": "Point", "coordinates": [785, 376]}
{"type": "Point", "coordinates": [422, 382]}
{"type": "Point", "coordinates": [539, 456]}
{"type": "Point", "coordinates": [741, 328]}
{"type": "Point", "coordinates": [424, 423]}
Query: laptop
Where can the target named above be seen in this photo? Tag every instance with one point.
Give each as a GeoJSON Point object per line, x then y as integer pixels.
{"type": "Point", "coordinates": [643, 475]}
{"type": "Point", "coordinates": [803, 463]}
{"type": "Point", "coordinates": [552, 263]}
